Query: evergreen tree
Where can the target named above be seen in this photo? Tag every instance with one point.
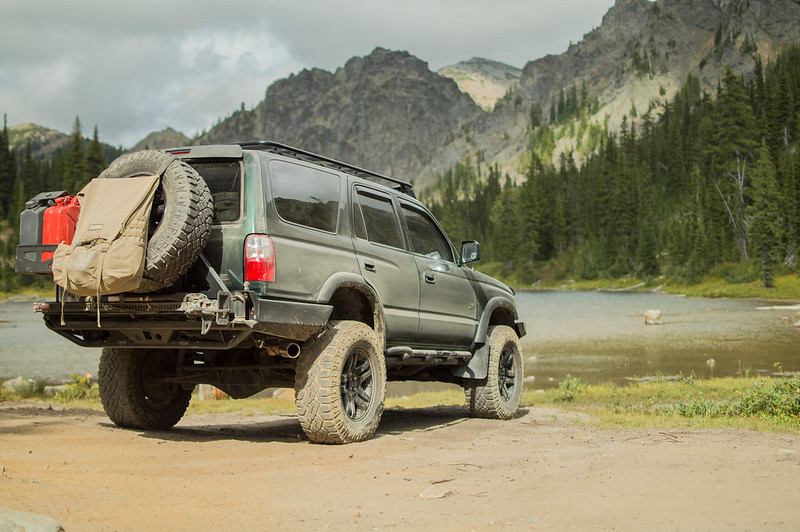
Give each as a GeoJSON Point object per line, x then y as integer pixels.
{"type": "Point", "coordinates": [647, 251]}
{"type": "Point", "coordinates": [730, 150]}
{"type": "Point", "coordinates": [766, 216]}
{"type": "Point", "coordinates": [528, 214]}
{"type": "Point", "coordinates": [504, 217]}
{"type": "Point", "coordinates": [95, 162]}
{"type": "Point", "coordinates": [74, 169]}
{"type": "Point", "coordinates": [27, 183]}
{"type": "Point", "coordinates": [8, 173]}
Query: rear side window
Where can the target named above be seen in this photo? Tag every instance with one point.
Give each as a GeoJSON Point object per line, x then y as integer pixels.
{"type": "Point", "coordinates": [379, 219]}
{"type": "Point", "coordinates": [305, 196]}
{"type": "Point", "coordinates": [224, 180]}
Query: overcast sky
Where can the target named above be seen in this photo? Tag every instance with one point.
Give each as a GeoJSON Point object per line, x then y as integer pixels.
{"type": "Point", "coordinates": [135, 67]}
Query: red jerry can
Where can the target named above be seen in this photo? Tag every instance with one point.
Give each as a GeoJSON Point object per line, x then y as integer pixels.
{"type": "Point", "coordinates": [59, 223]}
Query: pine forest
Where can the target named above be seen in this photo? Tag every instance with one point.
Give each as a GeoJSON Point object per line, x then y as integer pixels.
{"type": "Point", "coordinates": [709, 186]}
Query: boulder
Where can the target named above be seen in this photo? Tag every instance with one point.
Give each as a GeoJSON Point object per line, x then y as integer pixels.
{"type": "Point", "coordinates": [19, 384]}
{"type": "Point", "coordinates": [207, 392]}
{"type": "Point", "coordinates": [14, 520]}
{"type": "Point", "coordinates": [652, 317]}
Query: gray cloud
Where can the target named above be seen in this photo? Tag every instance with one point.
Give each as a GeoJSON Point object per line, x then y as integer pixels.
{"type": "Point", "coordinates": [135, 67]}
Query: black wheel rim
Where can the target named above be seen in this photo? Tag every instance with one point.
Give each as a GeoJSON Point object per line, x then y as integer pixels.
{"type": "Point", "coordinates": [157, 366]}
{"type": "Point", "coordinates": [157, 211]}
{"type": "Point", "coordinates": [507, 374]}
{"type": "Point", "coordinates": [158, 208]}
{"type": "Point", "coordinates": [357, 384]}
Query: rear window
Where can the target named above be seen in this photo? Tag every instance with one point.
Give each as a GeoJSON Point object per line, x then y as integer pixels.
{"type": "Point", "coordinates": [224, 180]}
{"type": "Point", "coordinates": [379, 221]}
{"type": "Point", "coordinates": [304, 195]}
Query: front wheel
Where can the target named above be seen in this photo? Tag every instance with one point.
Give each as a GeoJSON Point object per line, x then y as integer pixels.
{"type": "Point", "coordinates": [498, 396]}
{"type": "Point", "coordinates": [135, 389]}
{"type": "Point", "coordinates": [340, 384]}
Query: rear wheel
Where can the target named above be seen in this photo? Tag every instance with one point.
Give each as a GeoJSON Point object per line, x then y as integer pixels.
{"type": "Point", "coordinates": [340, 384]}
{"type": "Point", "coordinates": [136, 391]}
{"type": "Point", "coordinates": [498, 395]}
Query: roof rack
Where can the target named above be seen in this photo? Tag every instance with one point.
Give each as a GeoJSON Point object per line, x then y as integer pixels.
{"type": "Point", "coordinates": [297, 153]}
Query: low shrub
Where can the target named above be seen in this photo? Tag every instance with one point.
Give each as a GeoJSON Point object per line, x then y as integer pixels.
{"type": "Point", "coordinates": [779, 398]}
{"type": "Point", "coordinates": [79, 387]}
{"type": "Point", "coordinates": [568, 388]}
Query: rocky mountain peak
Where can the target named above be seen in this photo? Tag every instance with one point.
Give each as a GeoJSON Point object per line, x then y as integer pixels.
{"type": "Point", "coordinates": [166, 138]}
{"type": "Point", "coordinates": [486, 81]}
{"type": "Point", "coordinates": [386, 111]}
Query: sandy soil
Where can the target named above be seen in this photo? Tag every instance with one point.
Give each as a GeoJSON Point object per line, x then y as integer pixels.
{"type": "Point", "coordinates": [426, 468]}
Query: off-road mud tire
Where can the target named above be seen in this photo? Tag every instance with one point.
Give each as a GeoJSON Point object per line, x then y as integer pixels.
{"type": "Point", "coordinates": [132, 394]}
{"type": "Point", "coordinates": [340, 384]}
{"type": "Point", "coordinates": [182, 212]}
{"type": "Point", "coordinates": [498, 395]}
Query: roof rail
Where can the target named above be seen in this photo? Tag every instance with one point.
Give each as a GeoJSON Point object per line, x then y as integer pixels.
{"type": "Point", "coordinates": [297, 153]}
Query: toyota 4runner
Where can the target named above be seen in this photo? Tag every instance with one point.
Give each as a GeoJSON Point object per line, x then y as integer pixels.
{"type": "Point", "coordinates": [269, 266]}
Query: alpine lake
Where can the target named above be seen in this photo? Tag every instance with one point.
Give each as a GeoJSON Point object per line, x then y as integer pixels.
{"type": "Point", "coordinates": [594, 336]}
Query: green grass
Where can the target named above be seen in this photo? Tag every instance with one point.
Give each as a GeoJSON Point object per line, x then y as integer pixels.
{"type": "Point", "coordinates": [728, 280]}
{"type": "Point", "coordinates": [28, 291]}
{"type": "Point", "coordinates": [764, 404]}
{"type": "Point", "coordinates": [786, 287]}
{"type": "Point", "coordinates": [768, 404]}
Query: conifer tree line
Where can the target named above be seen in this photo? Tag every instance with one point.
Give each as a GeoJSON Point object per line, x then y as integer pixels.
{"type": "Point", "coordinates": [22, 177]}
{"type": "Point", "coordinates": [710, 186]}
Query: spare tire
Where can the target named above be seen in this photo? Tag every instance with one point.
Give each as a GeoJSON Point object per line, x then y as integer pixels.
{"type": "Point", "coordinates": [180, 220]}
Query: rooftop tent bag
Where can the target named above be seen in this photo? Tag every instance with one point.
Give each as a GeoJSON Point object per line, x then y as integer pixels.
{"type": "Point", "coordinates": [107, 253]}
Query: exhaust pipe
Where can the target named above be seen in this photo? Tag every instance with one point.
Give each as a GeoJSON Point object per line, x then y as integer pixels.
{"type": "Point", "coordinates": [290, 350]}
{"type": "Point", "coordinates": [285, 350]}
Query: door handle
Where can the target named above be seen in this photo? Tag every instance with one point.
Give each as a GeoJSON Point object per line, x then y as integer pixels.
{"type": "Point", "coordinates": [369, 266]}
{"type": "Point", "coordinates": [429, 277]}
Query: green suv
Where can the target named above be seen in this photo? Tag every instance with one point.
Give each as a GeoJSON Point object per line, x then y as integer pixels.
{"type": "Point", "coordinates": [275, 267]}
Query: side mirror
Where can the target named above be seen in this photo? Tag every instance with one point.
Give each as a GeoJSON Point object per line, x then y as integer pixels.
{"type": "Point", "coordinates": [470, 251]}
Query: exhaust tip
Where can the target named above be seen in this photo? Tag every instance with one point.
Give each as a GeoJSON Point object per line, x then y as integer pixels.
{"type": "Point", "coordinates": [292, 350]}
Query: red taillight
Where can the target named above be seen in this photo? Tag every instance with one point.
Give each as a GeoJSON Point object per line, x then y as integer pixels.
{"type": "Point", "coordinates": [259, 259]}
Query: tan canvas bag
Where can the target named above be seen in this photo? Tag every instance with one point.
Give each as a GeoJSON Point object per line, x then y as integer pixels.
{"type": "Point", "coordinates": [108, 250]}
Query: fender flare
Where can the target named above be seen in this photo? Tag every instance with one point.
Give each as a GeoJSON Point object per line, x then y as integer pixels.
{"type": "Point", "coordinates": [477, 367]}
{"type": "Point", "coordinates": [492, 305]}
{"type": "Point", "coordinates": [357, 282]}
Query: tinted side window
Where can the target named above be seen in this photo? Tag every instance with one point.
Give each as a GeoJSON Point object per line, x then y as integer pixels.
{"type": "Point", "coordinates": [359, 229]}
{"type": "Point", "coordinates": [224, 180]}
{"type": "Point", "coordinates": [380, 220]}
{"type": "Point", "coordinates": [426, 238]}
{"type": "Point", "coordinates": [304, 195]}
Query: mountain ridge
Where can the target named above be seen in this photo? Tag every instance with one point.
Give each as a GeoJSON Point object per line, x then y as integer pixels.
{"type": "Point", "coordinates": [632, 64]}
{"type": "Point", "coordinates": [389, 112]}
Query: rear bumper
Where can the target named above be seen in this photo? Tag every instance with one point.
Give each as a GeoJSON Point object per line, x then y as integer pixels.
{"type": "Point", "coordinates": [168, 322]}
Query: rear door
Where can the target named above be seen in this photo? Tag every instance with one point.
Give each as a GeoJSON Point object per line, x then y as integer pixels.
{"type": "Point", "coordinates": [447, 308]}
{"type": "Point", "coordinates": [386, 263]}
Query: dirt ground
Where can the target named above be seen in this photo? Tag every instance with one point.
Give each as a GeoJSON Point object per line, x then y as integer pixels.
{"type": "Point", "coordinates": [425, 468]}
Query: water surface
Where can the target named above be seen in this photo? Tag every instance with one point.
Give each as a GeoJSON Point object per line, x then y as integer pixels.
{"type": "Point", "coordinates": [31, 350]}
{"type": "Point", "coordinates": [600, 336]}
{"type": "Point", "coordinates": [595, 336]}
